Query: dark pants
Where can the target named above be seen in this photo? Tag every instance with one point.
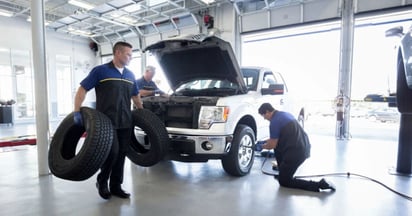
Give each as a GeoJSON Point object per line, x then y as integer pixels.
{"type": "Point", "coordinates": [287, 167]}
{"type": "Point", "coordinates": [114, 165]}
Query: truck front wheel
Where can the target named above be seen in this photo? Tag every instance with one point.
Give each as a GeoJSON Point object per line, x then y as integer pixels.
{"type": "Point", "coordinates": [239, 160]}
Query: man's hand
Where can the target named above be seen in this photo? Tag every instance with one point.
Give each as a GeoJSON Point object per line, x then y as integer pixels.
{"type": "Point", "coordinates": [259, 146]}
{"type": "Point", "coordinates": [78, 119]}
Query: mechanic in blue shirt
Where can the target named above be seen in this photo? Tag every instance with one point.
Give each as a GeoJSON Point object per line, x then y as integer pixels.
{"type": "Point", "coordinates": [146, 85]}
{"type": "Point", "coordinates": [292, 148]}
{"type": "Point", "coordinates": [115, 87]}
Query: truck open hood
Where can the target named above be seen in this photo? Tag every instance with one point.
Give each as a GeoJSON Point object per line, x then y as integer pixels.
{"type": "Point", "coordinates": [197, 57]}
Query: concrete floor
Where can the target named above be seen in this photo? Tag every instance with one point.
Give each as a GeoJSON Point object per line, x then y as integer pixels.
{"type": "Point", "coordinates": [175, 188]}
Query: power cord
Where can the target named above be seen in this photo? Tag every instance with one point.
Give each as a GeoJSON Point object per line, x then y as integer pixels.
{"type": "Point", "coordinates": [346, 174]}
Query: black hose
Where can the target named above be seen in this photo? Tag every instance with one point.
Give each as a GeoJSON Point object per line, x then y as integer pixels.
{"type": "Point", "coordinates": [345, 174]}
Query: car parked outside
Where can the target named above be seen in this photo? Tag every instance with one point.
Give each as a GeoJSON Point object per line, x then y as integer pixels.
{"type": "Point", "coordinates": [384, 115]}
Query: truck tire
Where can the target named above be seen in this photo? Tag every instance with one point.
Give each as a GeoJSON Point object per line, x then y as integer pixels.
{"type": "Point", "coordinates": [152, 144]}
{"type": "Point", "coordinates": [403, 93]}
{"type": "Point", "coordinates": [239, 160]}
{"type": "Point", "coordinates": [68, 162]}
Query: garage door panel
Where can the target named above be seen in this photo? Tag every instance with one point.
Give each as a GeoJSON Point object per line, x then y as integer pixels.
{"type": "Point", "coordinates": [151, 39]}
{"type": "Point", "coordinates": [189, 30]}
{"type": "Point", "coordinates": [106, 49]}
{"type": "Point", "coordinates": [255, 21]}
{"type": "Point", "coordinates": [320, 10]}
{"type": "Point", "coordinates": [368, 5]}
{"type": "Point", "coordinates": [285, 16]}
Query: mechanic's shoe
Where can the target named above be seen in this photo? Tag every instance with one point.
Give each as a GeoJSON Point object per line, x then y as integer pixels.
{"type": "Point", "coordinates": [324, 185]}
{"type": "Point", "coordinates": [119, 192]}
{"type": "Point", "coordinates": [275, 165]}
{"type": "Point", "coordinates": [103, 191]}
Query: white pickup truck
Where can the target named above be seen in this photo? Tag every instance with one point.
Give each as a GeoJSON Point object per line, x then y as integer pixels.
{"type": "Point", "coordinates": [213, 111]}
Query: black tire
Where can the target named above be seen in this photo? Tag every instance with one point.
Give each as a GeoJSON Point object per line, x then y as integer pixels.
{"type": "Point", "coordinates": [153, 143]}
{"type": "Point", "coordinates": [64, 161]}
{"type": "Point", "coordinates": [403, 93]}
{"type": "Point", "coordinates": [239, 160]}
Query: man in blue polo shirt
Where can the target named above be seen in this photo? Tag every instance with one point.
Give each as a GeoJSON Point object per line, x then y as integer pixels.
{"type": "Point", "coordinates": [146, 85]}
{"type": "Point", "coordinates": [292, 148]}
{"type": "Point", "coordinates": [115, 87]}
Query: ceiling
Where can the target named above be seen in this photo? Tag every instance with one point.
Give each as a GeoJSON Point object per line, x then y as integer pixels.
{"type": "Point", "coordinates": [106, 20]}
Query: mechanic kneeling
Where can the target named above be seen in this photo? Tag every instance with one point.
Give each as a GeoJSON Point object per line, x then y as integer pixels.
{"type": "Point", "coordinates": [292, 148]}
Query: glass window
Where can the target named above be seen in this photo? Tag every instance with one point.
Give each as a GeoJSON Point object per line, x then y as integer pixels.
{"type": "Point", "coordinates": [22, 70]}
{"type": "Point", "coordinates": [6, 78]}
{"type": "Point", "coordinates": [268, 79]}
{"type": "Point", "coordinates": [135, 65]}
{"type": "Point", "coordinates": [64, 80]}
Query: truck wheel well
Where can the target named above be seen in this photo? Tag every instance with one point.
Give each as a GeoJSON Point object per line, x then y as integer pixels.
{"type": "Point", "coordinates": [249, 121]}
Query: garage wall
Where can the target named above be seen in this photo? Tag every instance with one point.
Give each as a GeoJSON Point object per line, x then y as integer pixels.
{"type": "Point", "coordinates": [368, 5]}
{"type": "Point", "coordinates": [310, 11]}
{"type": "Point", "coordinates": [19, 36]}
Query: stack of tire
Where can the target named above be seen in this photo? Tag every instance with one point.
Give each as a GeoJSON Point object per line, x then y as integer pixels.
{"type": "Point", "coordinates": [71, 161]}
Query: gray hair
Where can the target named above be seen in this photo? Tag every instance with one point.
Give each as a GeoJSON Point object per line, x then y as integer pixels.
{"type": "Point", "coordinates": [150, 68]}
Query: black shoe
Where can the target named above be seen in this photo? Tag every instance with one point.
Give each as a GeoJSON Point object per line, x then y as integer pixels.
{"type": "Point", "coordinates": [324, 185]}
{"type": "Point", "coordinates": [103, 191]}
{"type": "Point", "coordinates": [117, 191]}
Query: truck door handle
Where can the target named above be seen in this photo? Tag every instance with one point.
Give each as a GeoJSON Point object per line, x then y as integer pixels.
{"type": "Point", "coordinates": [281, 101]}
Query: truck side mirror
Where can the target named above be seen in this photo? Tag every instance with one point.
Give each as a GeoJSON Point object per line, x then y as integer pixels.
{"type": "Point", "coordinates": [273, 89]}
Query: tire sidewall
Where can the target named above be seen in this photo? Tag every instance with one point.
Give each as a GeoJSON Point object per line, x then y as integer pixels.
{"type": "Point", "coordinates": [403, 93]}
{"type": "Point", "coordinates": [230, 162]}
{"type": "Point", "coordinates": [64, 161]}
{"type": "Point", "coordinates": [156, 134]}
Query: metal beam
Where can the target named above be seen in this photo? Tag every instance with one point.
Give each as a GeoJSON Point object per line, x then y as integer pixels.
{"type": "Point", "coordinates": [40, 85]}
{"type": "Point", "coordinates": [345, 65]}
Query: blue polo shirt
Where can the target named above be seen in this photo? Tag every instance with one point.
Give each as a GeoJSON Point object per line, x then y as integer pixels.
{"type": "Point", "coordinates": [148, 85]}
{"type": "Point", "coordinates": [114, 91]}
{"type": "Point", "coordinates": [278, 121]}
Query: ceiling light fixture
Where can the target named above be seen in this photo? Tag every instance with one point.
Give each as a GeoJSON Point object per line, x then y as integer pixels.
{"type": "Point", "coordinates": [6, 13]}
{"type": "Point", "coordinates": [152, 3]}
{"type": "Point", "coordinates": [81, 4]}
{"type": "Point", "coordinates": [45, 22]}
{"type": "Point", "coordinates": [127, 20]}
{"type": "Point", "coordinates": [132, 8]}
{"type": "Point", "coordinates": [208, 1]}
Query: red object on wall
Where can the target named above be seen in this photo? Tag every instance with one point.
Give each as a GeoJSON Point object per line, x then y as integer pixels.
{"type": "Point", "coordinates": [208, 20]}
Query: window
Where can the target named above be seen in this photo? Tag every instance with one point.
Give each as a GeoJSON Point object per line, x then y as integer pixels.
{"type": "Point", "coordinates": [6, 78]}
{"type": "Point", "coordinates": [64, 80]}
{"type": "Point", "coordinates": [24, 87]}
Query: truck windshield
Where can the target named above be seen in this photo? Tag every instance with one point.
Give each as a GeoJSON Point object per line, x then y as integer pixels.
{"type": "Point", "coordinates": [250, 77]}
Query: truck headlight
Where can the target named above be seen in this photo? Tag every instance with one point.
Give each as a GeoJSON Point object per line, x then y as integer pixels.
{"type": "Point", "coordinates": [212, 114]}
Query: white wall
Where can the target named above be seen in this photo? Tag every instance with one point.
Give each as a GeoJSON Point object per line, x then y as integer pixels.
{"type": "Point", "coordinates": [17, 34]}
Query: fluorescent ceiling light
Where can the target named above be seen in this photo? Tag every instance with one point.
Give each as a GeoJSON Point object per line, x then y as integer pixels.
{"type": "Point", "coordinates": [82, 4]}
{"type": "Point", "coordinates": [80, 32]}
{"type": "Point", "coordinates": [208, 1]}
{"type": "Point", "coordinates": [127, 20]}
{"type": "Point", "coordinates": [155, 2]}
{"type": "Point", "coordinates": [132, 8]}
{"type": "Point", "coordinates": [45, 22]}
{"type": "Point", "coordinates": [116, 14]}
{"type": "Point", "coordinates": [6, 13]}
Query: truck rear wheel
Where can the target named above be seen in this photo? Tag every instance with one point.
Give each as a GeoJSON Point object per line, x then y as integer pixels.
{"type": "Point", "coordinates": [239, 160]}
